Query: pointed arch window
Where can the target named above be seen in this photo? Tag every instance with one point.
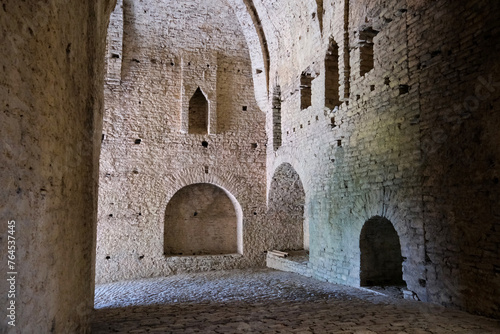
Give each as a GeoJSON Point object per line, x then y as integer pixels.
{"type": "Point", "coordinates": [198, 113]}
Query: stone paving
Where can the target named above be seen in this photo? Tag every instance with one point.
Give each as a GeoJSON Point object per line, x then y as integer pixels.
{"type": "Point", "coordinates": [267, 301]}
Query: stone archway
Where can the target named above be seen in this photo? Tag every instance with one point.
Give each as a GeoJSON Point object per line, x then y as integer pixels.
{"type": "Point", "coordinates": [286, 210]}
{"type": "Point", "coordinates": [200, 219]}
{"type": "Point", "coordinates": [381, 260]}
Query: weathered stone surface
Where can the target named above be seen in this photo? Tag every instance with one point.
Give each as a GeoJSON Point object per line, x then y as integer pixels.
{"type": "Point", "coordinates": [412, 139]}
{"type": "Point", "coordinates": [178, 61]}
{"type": "Point", "coordinates": [411, 136]}
{"type": "Point", "coordinates": [51, 116]}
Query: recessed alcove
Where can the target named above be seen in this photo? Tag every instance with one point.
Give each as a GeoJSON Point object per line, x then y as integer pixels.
{"type": "Point", "coordinates": [332, 98]}
{"type": "Point", "coordinates": [366, 55]}
{"type": "Point", "coordinates": [198, 113]}
{"type": "Point", "coordinates": [306, 79]}
{"type": "Point", "coordinates": [286, 210]}
{"type": "Point", "coordinates": [201, 219]}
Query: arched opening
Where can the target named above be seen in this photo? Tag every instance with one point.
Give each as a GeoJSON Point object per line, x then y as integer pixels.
{"type": "Point", "coordinates": [201, 219]}
{"type": "Point", "coordinates": [198, 113]}
{"type": "Point", "coordinates": [332, 76]}
{"type": "Point", "coordinates": [286, 210]}
{"type": "Point", "coordinates": [381, 260]}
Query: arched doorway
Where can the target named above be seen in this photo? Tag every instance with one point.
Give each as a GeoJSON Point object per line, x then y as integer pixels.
{"type": "Point", "coordinates": [200, 219]}
{"type": "Point", "coordinates": [381, 260]}
{"type": "Point", "coordinates": [286, 210]}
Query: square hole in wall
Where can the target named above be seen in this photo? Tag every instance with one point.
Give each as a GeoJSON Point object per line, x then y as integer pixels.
{"type": "Point", "coordinates": [244, 108]}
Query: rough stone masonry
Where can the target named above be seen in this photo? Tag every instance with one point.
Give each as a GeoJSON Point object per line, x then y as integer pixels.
{"type": "Point", "coordinates": [372, 110]}
{"type": "Point", "coordinates": [312, 118]}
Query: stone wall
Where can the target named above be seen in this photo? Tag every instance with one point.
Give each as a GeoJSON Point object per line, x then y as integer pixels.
{"type": "Point", "coordinates": [177, 57]}
{"type": "Point", "coordinates": [412, 139]}
{"type": "Point", "coordinates": [382, 108]}
{"type": "Point", "coordinates": [458, 75]}
{"type": "Point", "coordinates": [51, 97]}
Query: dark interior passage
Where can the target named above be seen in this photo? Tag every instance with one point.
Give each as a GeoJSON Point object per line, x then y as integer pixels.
{"type": "Point", "coordinates": [381, 260]}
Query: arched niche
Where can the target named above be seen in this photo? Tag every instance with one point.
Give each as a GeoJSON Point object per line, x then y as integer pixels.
{"type": "Point", "coordinates": [202, 219]}
{"type": "Point", "coordinates": [286, 210]}
{"type": "Point", "coordinates": [198, 113]}
{"type": "Point", "coordinates": [381, 260]}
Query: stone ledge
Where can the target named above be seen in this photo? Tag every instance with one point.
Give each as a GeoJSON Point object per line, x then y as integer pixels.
{"type": "Point", "coordinates": [296, 262]}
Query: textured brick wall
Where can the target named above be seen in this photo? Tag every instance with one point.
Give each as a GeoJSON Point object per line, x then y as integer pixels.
{"type": "Point", "coordinates": [458, 75]}
{"type": "Point", "coordinates": [51, 96]}
{"type": "Point", "coordinates": [414, 141]}
{"type": "Point", "coordinates": [170, 50]}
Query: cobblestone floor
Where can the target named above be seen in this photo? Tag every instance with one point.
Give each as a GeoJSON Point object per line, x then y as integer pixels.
{"type": "Point", "coordinates": [267, 301]}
